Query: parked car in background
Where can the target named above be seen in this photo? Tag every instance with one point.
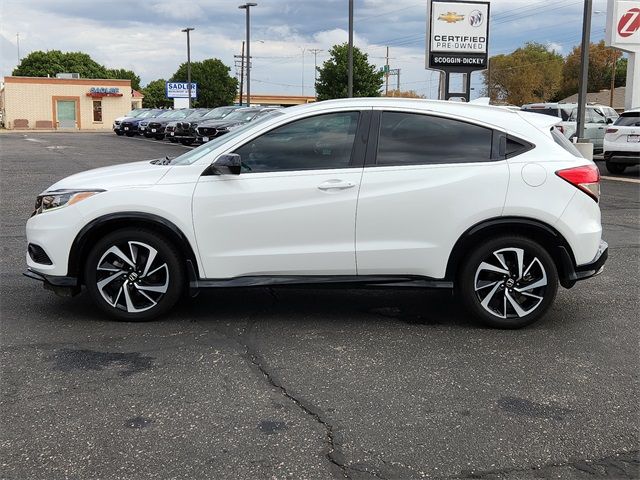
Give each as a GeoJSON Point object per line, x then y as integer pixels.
{"type": "Point", "coordinates": [596, 119]}
{"type": "Point", "coordinates": [170, 129]}
{"type": "Point", "coordinates": [622, 142]}
{"type": "Point", "coordinates": [185, 131]}
{"type": "Point", "coordinates": [132, 114]}
{"type": "Point", "coordinates": [129, 126]}
{"type": "Point", "coordinates": [493, 203]}
{"type": "Point", "coordinates": [211, 129]}
{"type": "Point", "coordinates": [153, 127]}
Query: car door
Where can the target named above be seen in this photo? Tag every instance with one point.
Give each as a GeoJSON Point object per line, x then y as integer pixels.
{"type": "Point", "coordinates": [427, 179]}
{"type": "Point", "coordinates": [291, 211]}
{"type": "Point", "coordinates": [595, 124]}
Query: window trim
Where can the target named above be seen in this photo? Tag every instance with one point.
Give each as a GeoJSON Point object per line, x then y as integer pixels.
{"type": "Point", "coordinates": [358, 149]}
{"type": "Point", "coordinates": [502, 139]}
{"type": "Point", "coordinates": [371, 159]}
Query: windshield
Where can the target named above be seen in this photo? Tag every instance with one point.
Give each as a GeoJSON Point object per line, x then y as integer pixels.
{"type": "Point", "coordinates": [631, 119]}
{"type": "Point", "coordinates": [241, 115]}
{"type": "Point", "coordinates": [149, 113]}
{"type": "Point", "coordinates": [203, 150]}
{"type": "Point", "coordinates": [561, 140]}
{"type": "Point", "coordinates": [218, 113]}
{"type": "Point", "coordinates": [135, 113]}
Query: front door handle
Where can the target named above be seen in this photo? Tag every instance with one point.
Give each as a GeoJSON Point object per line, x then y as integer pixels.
{"type": "Point", "coordinates": [336, 185]}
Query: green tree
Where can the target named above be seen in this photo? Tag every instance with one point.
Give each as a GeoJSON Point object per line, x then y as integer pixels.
{"type": "Point", "coordinates": [123, 74]}
{"type": "Point", "coordinates": [531, 73]}
{"type": "Point", "coordinates": [601, 60]}
{"type": "Point", "coordinates": [332, 75]}
{"type": "Point", "coordinates": [52, 62]}
{"type": "Point", "coordinates": [216, 88]}
{"type": "Point", "coordinates": [155, 95]}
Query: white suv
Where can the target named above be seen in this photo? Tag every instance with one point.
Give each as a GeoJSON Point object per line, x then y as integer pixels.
{"type": "Point", "coordinates": [622, 142]}
{"type": "Point", "coordinates": [378, 191]}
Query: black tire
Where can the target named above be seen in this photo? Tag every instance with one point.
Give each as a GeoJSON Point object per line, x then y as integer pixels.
{"type": "Point", "coordinates": [615, 168]}
{"type": "Point", "coordinates": [119, 133]}
{"type": "Point", "coordinates": [147, 135]}
{"type": "Point", "coordinates": [487, 303]}
{"type": "Point", "coordinates": [130, 134]}
{"type": "Point", "coordinates": [187, 142]}
{"type": "Point", "coordinates": [173, 140]}
{"type": "Point", "coordinates": [159, 136]}
{"type": "Point", "coordinates": [129, 291]}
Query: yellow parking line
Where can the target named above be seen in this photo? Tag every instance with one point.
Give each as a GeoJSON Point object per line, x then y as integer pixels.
{"type": "Point", "coordinates": [618, 179]}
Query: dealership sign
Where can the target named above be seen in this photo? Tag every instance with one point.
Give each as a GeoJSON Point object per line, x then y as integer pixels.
{"type": "Point", "coordinates": [104, 92]}
{"type": "Point", "coordinates": [458, 36]}
{"type": "Point", "coordinates": [623, 25]}
{"type": "Point", "coordinates": [181, 90]}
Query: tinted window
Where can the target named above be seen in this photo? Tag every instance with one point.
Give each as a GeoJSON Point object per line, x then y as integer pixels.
{"type": "Point", "coordinates": [323, 141]}
{"type": "Point", "coordinates": [515, 146]}
{"type": "Point", "coordinates": [561, 140]}
{"type": "Point", "coordinates": [414, 139]}
{"type": "Point", "coordinates": [631, 119]}
{"type": "Point", "coordinates": [554, 112]}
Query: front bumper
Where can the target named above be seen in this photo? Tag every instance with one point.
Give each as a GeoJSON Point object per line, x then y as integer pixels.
{"type": "Point", "coordinates": [63, 286]}
{"type": "Point", "coordinates": [572, 273]}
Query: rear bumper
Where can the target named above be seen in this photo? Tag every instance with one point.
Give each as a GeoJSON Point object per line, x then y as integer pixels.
{"type": "Point", "coordinates": [572, 273]}
{"type": "Point", "coordinates": [621, 156]}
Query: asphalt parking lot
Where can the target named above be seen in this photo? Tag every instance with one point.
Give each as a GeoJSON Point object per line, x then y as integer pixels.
{"type": "Point", "coordinates": [310, 384]}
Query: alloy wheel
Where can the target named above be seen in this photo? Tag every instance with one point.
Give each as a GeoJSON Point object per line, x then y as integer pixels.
{"type": "Point", "coordinates": [510, 283]}
{"type": "Point", "coordinates": [132, 276]}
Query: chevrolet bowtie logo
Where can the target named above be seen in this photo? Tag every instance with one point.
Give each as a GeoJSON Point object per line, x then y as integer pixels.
{"type": "Point", "coordinates": [451, 17]}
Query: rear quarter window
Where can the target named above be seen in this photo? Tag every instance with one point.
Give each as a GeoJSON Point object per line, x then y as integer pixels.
{"type": "Point", "coordinates": [631, 119]}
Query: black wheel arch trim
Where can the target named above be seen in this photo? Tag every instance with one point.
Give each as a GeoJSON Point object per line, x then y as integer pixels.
{"type": "Point", "coordinates": [556, 244]}
{"type": "Point", "coordinates": [128, 219]}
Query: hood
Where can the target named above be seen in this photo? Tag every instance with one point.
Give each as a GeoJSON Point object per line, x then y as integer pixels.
{"type": "Point", "coordinates": [126, 175]}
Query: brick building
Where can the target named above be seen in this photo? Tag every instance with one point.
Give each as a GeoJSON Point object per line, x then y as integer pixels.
{"type": "Point", "coordinates": [65, 103]}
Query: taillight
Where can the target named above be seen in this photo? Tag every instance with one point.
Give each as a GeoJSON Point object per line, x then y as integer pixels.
{"type": "Point", "coordinates": [586, 178]}
{"type": "Point", "coordinates": [611, 130]}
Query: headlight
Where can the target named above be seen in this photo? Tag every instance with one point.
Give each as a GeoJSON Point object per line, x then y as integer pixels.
{"type": "Point", "coordinates": [61, 198]}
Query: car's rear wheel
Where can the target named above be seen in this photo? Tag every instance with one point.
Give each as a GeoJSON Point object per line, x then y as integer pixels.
{"type": "Point", "coordinates": [614, 168]}
{"type": "Point", "coordinates": [134, 274]}
{"type": "Point", "coordinates": [508, 282]}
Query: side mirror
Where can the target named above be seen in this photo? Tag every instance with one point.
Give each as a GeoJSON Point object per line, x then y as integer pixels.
{"type": "Point", "coordinates": [229, 163]}
{"type": "Point", "coordinates": [609, 120]}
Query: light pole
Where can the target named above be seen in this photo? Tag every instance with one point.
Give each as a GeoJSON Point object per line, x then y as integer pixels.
{"type": "Point", "coordinates": [247, 7]}
{"type": "Point", "coordinates": [187, 30]}
{"type": "Point", "coordinates": [350, 55]}
{"type": "Point", "coordinates": [584, 68]}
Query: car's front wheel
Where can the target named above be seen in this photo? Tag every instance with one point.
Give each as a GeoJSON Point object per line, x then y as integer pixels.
{"type": "Point", "coordinates": [508, 282]}
{"type": "Point", "coordinates": [134, 274]}
{"type": "Point", "coordinates": [119, 133]}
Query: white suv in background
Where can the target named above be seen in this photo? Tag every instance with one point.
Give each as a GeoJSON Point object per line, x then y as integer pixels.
{"type": "Point", "coordinates": [366, 191]}
{"type": "Point", "coordinates": [597, 117]}
{"type": "Point", "coordinates": [622, 142]}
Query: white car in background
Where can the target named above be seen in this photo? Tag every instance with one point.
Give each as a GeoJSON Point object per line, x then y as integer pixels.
{"type": "Point", "coordinates": [597, 117]}
{"type": "Point", "coordinates": [622, 142]}
{"type": "Point", "coordinates": [365, 191]}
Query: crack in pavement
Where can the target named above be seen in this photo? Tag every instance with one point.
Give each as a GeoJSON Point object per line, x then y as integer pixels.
{"type": "Point", "coordinates": [333, 453]}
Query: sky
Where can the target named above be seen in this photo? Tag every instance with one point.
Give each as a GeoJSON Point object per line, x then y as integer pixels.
{"type": "Point", "coordinates": [145, 36]}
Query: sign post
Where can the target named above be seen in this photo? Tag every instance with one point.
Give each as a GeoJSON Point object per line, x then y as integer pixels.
{"type": "Point", "coordinates": [457, 41]}
{"type": "Point", "coordinates": [623, 33]}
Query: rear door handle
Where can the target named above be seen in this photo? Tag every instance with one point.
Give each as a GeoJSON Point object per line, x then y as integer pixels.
{"type": "Point", "coordinates": [335, 185]}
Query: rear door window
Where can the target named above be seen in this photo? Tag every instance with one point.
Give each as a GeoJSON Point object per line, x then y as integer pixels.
{"type": "Point", "coordinates": [416, 139]}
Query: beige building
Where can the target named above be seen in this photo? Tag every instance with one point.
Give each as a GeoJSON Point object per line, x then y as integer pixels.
{"type": "Point", "coordinates": [63, 103]}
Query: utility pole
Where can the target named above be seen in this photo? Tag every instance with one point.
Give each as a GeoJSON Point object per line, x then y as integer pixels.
{"type": "Point", "coordinates": [187, 30]}
{"type": "Point", "coordinates": [350, 55]}
{"type": "Point", "coordinates": [315, 52]}
{"type": "Point", "coordinates": [18, 44]}
{"type": "Point", "coordinates": [302, 80]}
{"type": "Point", "coordinates": [398, 83]}
{"type": "Point", "coordinates": [241, 72]}
{"type": "Point", "coordinates": [584, 68]}
{"type": "Point", "coordinates": [247, 7]}
{"type": "Point", "coordinates": [386, 75]}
